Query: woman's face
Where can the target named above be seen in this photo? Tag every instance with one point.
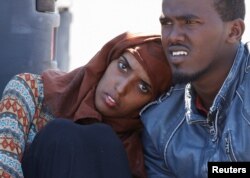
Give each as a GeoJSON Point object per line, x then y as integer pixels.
{"type": "Point", "coordinates": [124, 88]}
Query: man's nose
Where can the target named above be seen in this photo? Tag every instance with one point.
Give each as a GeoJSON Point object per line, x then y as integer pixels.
{"type": "Point", "coordinates": [175, 35]}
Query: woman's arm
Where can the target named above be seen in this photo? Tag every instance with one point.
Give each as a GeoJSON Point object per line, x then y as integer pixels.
{"type": "Point", "coordinates": [20, 110]}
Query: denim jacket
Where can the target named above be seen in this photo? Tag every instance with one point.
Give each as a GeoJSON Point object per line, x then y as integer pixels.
{"type": "Point", "coordinates": [179, 142]}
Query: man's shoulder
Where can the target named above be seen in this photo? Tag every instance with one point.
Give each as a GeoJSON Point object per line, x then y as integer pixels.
{"type": "Point", "coordinates": [169, 105]}
{"type": "Point", "coordinates": [161, 119]}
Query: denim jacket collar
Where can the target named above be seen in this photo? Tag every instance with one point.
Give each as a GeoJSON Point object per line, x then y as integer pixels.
{"type": "Point", "coordinates": [224, 96]}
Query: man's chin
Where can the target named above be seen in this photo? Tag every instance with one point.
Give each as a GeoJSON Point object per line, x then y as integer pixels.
{"type": "Point", "coordinates": [181, 78]}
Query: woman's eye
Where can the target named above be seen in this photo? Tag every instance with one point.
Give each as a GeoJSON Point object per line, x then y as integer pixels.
{"type": "Point", "coordinates": [122, 66]}
{"type": "Point", "coordinates": [144, 88]}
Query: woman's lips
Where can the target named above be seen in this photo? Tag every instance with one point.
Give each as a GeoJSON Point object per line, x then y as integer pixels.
{"type": "Point", "coordinates": [110, 101]}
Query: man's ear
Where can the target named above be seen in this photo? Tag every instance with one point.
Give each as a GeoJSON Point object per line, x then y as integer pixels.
{"type": "Point", "coordinates": [236, 30]}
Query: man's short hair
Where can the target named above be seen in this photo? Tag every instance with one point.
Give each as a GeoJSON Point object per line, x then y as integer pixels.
{"type": "Point", "coordinates": [230, 9]}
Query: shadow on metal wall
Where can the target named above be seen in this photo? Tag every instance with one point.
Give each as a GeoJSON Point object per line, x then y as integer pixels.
{"type": "Point", "coordinates": [28, 38]}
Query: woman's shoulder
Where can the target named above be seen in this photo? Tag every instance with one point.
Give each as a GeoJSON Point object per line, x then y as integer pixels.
{"type": "Point", "coordinates": [25, 85]}
{"type": "Point", "coordinates": [29, 78]}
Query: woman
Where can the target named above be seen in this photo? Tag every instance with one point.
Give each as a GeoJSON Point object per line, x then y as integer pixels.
{"type": "Point", "coordinates": [128, 72]}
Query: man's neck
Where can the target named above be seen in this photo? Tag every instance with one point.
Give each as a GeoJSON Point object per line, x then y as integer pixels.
{"type": "Point", "coordinates": [208, 87]}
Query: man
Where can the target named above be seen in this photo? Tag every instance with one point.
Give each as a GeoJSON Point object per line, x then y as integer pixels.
{"type": "Point", "coordinates": [205, 117]}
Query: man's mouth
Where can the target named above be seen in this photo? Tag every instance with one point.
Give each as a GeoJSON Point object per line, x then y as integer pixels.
{"type": "Point", "coordinates": [178, 50]}
{"type": "Point", "coordinates": [177, 56]}
{"type": "Point", "coordinates": [179, 53]}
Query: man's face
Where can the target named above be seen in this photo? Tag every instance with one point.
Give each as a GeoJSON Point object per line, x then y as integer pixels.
{"type": "Point", "coordinates": [193, 38]}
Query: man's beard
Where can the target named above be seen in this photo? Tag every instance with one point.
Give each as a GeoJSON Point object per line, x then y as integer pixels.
{"type": "Point", "coordinates": [183, 78]}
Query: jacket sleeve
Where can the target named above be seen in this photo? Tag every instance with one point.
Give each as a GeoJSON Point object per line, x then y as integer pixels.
{"type": "Point", "coordinates": [20, 106]}
{"type": "Point", "coordinates": [154, 159]}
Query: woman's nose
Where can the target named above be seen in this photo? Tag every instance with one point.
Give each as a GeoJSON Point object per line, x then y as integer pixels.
{"type": "Point", "coordinates": [123, 85]}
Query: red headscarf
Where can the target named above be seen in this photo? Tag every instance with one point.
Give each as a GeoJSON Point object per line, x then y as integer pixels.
{"type": "Point", "coordinates": [71, 95]}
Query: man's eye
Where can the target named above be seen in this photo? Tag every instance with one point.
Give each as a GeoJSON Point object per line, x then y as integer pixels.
{"type": "Point", "coordinates": [191, 21]}
{"type": "Point", "coordinates": [164, 21]}
{"type": "Point", "coordinates": [122, 66]}
{"type": "Point", "coordinates": [143, 88]}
